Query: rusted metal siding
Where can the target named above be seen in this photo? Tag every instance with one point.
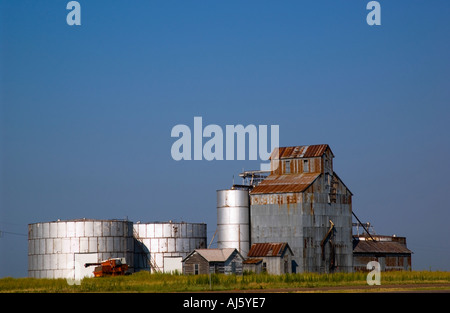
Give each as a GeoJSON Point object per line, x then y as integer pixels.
{"type": "Point", "coordinates": [273, 257]}
{"type": "Point", "coordinates": [297, 209]}
{"type": "Point", "coordinates": [317, 212]}
{"type": "Point", "coordinates": [297, 166]}
{"type": "Point", "coordinates": [268, 249]}
{"type": "Point", "coordinates": [285, 183]}
{"type": "Point", "coordinates": [303, 224]}
{"type": "Point", "coordinates": [300, 151]}
{"type": "Point", "coordinates": [302, 159]}
{"type": "Point", "coordinates": [391, 252]}
{"type": "Point", "coordinates": [253, 265]}
{"type": "Point", "coordinates": [298, 188]}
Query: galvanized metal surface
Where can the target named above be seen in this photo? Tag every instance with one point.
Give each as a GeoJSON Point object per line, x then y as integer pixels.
{"type": "Point", "coordinates": [160, 240]}
{"type": "Point", "coordinates": [297, 208]}
{"type": "Point", "coordinates": [304, 230]}
{"type": "Point", "coordinates": [53, 246]}
{"type": "Point", "coordinates": [233, 220]}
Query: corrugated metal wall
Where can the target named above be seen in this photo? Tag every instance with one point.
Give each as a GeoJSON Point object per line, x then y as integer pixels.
{"type": "Point", "coordinates": [233, 220]}
{"type": "Point", "coordinates": [302, 220]}
{"type": "Point", "coordinates": [160, 240]}
{"type": "Point", "coordinates": [53, 246]}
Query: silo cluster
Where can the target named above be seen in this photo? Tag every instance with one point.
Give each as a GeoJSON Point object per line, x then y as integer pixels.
{"type": "Point", "coordinates": [160, 246]}
{"type": "Point", "coordinates": [60, 249]}
{"type": "Point", "coordinates": [301, 204]}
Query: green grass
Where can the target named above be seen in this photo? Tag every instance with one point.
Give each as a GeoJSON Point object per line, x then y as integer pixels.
{"type": "Point", "coordinates": [145, 282]}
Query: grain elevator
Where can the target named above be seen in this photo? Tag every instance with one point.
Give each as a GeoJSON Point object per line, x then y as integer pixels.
{"type": "Point", "coordinates": [301, 202]}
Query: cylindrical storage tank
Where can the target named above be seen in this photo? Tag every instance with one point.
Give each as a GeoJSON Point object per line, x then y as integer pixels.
{"type": "Point", "coordinates": [233, 220]}
{"type": "Point", "coordinates": [60, 249]}
{"type": "Point", "coordinates": [160, 246]}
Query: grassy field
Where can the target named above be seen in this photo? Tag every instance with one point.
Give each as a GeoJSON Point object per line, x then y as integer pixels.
{"type": "Point", "coordinates": [145, 282]}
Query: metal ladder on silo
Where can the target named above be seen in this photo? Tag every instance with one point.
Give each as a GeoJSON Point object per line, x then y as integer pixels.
{"type": "Point", "coordinates": [154, 266]}
{"type": "Point", "coordinates": [148, 259]}
{"type": "Point", "coordinates": [333, 189]}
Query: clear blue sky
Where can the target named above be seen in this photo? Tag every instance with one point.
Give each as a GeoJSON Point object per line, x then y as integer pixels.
{"type": "Point", "coordinates": [87, 111]}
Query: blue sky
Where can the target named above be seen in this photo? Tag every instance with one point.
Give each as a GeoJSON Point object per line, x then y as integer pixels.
{"type": "Point", "coordinates": [87, 111]}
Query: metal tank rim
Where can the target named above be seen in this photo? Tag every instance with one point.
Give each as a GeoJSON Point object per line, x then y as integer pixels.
{"type": "Point", "coordinates": [169, 222]}
{"type": "Point", "coordinates": [83, 220]}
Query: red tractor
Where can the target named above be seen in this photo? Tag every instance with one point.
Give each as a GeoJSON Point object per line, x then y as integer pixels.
{"type": "Point", "coordinates": [110, 267]}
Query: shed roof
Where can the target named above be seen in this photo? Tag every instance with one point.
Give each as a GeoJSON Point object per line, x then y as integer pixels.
{"type": "Point", "coordinates": [253, 261]}
{"type": "Point", "coordinates": [214, 255]}
{"type": "Point", "coordinates": [370, 246]}
{"type": "Point", "coordinates": [268, 249]}
{"type": "Point", "coordinates": [300, 152]}
{"type": "Point", "coordinates": [285, 183]}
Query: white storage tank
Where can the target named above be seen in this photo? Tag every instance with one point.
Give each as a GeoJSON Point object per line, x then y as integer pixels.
{"type": "Point", "coordinates": [233, 220]}
{"type": "Point", "coordinates": [60, 249]}
{"type": "Point", "coordinates": [160, 246]}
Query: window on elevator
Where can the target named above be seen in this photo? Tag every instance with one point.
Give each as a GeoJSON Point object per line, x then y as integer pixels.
{"type": "Point", "coordinates": [305, 166]}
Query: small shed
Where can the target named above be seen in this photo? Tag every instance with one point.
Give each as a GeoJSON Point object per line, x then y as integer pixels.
{"type": "Point", "coordinates": [390, 251]}
{"type": "Point", "coordinates": [205, 261]}
{"type": "Point", "coordinates": [273, 258]}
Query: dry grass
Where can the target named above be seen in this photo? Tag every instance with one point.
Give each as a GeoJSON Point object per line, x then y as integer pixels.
{"type": "Point", "coordinates": [145, 282]}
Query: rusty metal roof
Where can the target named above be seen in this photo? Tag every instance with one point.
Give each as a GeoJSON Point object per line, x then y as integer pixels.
{"type": "Point", "coordinates": [268, 249]}
{"type": "Point", "coordinates": [285, 183]}
{"type": "Point", "coordinates": [300, 152]}
{"type": "Point", "coordinates": [370, 246]}
{"type": "Point", "coordinates": [252, 261]}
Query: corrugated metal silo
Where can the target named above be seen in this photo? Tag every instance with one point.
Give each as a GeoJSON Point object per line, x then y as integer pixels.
{"type": "Point", "coordinates": [160, 246]}
{"type": "Point", "coordinates": [60, 249]}
{"type": "Point", "coordinates": [233, 220]}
